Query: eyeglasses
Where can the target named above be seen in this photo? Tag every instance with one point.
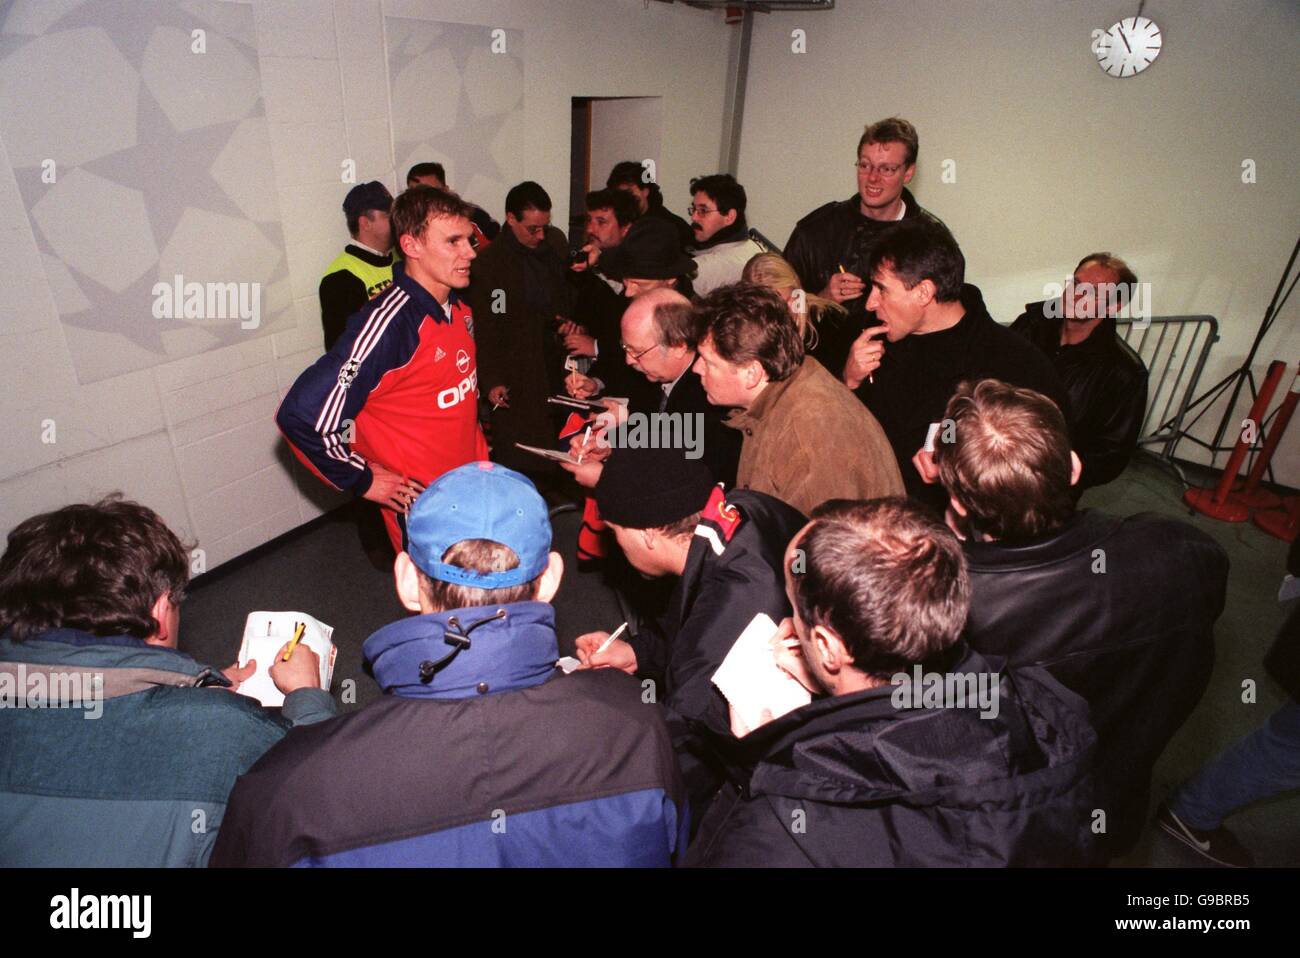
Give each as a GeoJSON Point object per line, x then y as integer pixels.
{"type": "Point", "coordinates": [693, 209]}
{"type": "Point", "coordinates": [884, 169]}
{"type": "Point", "coordinates": [636, 356]}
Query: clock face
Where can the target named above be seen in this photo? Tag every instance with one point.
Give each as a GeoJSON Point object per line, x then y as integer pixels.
{"type": "Point", "coordinates": [1129, 47]}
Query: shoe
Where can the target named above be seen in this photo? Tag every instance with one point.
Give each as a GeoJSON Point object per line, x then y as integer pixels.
{"type": "Point", "coordinates": [1219, 846]}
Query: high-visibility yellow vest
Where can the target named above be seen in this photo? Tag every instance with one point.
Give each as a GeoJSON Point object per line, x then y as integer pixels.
{"type": "Point", "coordinates": [376, 278]}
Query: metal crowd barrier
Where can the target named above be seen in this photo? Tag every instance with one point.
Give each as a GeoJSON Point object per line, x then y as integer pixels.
{"type": "Point", "coordinates": [1174, 349]}
{"type": "Point", "coordinates": [764, 242]}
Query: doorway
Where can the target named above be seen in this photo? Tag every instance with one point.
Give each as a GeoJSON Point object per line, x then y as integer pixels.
{"type": "Point", "coordinates": [605, 131]}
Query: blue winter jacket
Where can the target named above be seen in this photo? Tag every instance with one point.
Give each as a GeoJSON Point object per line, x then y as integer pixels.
{"type": "Point", "coordinates": [496, 758]}
{"type": "Point", "coordinates": [130, 769]}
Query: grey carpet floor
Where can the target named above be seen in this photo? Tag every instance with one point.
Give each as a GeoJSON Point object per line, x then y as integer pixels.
{"type": "Point", "coordinates": [322, 570]}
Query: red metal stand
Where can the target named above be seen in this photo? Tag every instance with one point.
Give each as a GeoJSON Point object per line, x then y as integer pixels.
{"type": "Point", "coordinates": [1284, 522]}
{"type": "Point", "coordinates": [1219, 502]}
{"type": "Point", "coordinates": [1250, 494]}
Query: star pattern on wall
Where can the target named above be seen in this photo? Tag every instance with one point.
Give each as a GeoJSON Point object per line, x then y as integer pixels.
{"type": "Point", "coordinates": [169, 172]}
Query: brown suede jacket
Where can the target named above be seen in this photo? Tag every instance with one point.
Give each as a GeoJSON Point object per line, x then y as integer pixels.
{"type": "Point", "coordinates": [809, 439]}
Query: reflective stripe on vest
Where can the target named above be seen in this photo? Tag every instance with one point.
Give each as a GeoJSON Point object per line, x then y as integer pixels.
{"type": "Point", "coordinates": [376, 278]}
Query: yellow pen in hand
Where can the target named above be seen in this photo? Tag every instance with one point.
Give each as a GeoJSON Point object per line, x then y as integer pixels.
{"type": "Point", "coordinates": [294, 644]}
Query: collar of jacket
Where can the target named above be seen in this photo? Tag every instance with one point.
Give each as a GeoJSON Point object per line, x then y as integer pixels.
{"type": "Point", "coordinates": [735, 233]}
{"type": "Point", "coordinates": [1102, 338]}
{"type": "Point", "coordinates": [1080, 534]}
{"type": "Point", "coordinates": [768, 398]}
{"type": "Point", "coordinates": [514, 652]}
{"type": "Point", "coordinates": [853, 206]}
{"type": "Point", "coordinates": [366, 256]}
{"type": "Point", "coordinates": [128, 664]}
{"type": "Point", "coordinates": [976, 315]}
{"type": "Point", "coordinates": [828, 750]}
{"type": "Point", "coordinates": [542, 250]}
{"type": "Point", "coordinates": [422, 297]}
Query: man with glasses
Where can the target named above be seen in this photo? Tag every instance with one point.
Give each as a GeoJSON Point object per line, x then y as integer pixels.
{"type": "Point", "coordinates": [518, 294]}
{"type": "Point", "coordinates": [722, 243]}
{"type": "Point", "coordinates": [659, 343]}
{"type": "Point", "coordinates": [828, 246]}
{"type": "Point", "coordinates": [647, 259]}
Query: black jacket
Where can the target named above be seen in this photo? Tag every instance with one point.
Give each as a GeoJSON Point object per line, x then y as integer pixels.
{"type": "Point", "coordinates": [486, 224]}
{"type": "Point", "coordinates": [685, 235]}
{"type": "Point", "coordinates": [515, 294]}
{"type": "Point", "coordinates": [599, 310]}
{"type": "Point", "coordinates": [343, 293]}
{"type": "Point", "coordinates": [718, 594]}
{"type": "Point", "coordinates": [854, 781]}
{"type": "Point", "coordinates": [721, 444]}
{"type": "Point", "coordinates": [1106, 389]}
{"type": "Point", "coordinates": [919, 373]}
{"type": "Point", "coordinates": [1122, 612]}
{"type": "Point", "coordinates": [831, 236]}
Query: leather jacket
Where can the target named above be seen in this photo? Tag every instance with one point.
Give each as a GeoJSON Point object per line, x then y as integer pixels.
{"type": "Point", "coordinates": [1106, 387]}
{"type": "Point", "coordinates": [1121, 611]}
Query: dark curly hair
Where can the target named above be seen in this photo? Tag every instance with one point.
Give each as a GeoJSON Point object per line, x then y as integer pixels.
{"type": "Point", "coordinates": [98, 568]}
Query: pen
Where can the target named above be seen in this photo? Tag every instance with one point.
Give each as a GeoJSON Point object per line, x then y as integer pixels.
{"type": "Point", "coordinates": [294, 644]}
{"type": "Point", "coordinates": [610, 641]}
{"type": "Point", "coordinates": [585, 436]}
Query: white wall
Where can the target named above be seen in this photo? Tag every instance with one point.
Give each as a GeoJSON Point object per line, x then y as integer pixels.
{"type": "Point", "coordinates": [193, 437]}
{"type": "Point", "coordinates": [1054, 159]}
{"type": "Point", "coordinates": [626, 130]}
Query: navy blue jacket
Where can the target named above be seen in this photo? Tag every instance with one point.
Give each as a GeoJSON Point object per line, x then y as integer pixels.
{"type": "Point", "coordinates": [852, 780]}
{"type": "Point", "coordinates": [498, 759]}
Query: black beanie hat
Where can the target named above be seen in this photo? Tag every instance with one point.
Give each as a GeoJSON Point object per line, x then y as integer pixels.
{"type": "Point", "coordinates": [648, 488]}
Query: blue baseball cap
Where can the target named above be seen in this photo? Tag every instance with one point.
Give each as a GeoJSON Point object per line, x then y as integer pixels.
{"type": "Point", "coordinates": [479, 500]}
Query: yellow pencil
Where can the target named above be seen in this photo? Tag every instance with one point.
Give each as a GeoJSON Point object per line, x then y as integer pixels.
{"type": "Point", "coordinates": [294, 644]}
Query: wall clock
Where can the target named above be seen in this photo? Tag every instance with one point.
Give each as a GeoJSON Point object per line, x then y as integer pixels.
{"type": "Point", "coordinates": [1129, 47]}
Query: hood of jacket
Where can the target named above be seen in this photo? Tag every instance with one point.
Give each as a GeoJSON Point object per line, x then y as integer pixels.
{"type": "Point", "coordinates": [859, 749]}
{"type": "Point", "coordinates": [510, 647]}
{"type": "Point", "coordinates": [127, 664]}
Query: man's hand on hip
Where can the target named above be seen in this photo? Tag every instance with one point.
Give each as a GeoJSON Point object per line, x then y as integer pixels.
{"type": "Point", "coordinates": [392, 490]}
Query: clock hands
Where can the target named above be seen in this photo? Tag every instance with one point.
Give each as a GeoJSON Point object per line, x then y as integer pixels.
{"type": "Point", "coordinates": [1120, 31]}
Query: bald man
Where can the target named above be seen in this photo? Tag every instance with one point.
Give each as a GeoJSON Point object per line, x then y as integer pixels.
{"type": "Point", "coordinates": [659, 334]}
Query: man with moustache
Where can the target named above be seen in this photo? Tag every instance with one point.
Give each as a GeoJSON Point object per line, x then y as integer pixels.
{"type": "Point", "coordinates": [722, 244]}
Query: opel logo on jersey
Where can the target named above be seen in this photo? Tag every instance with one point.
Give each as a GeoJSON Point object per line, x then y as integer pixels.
{"type": "Point", "coordinates": [462, 360]}
{"type": "Point", "coordinates": [349, 372]}
{"type": "Point", "coordinates": [456, 394]}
